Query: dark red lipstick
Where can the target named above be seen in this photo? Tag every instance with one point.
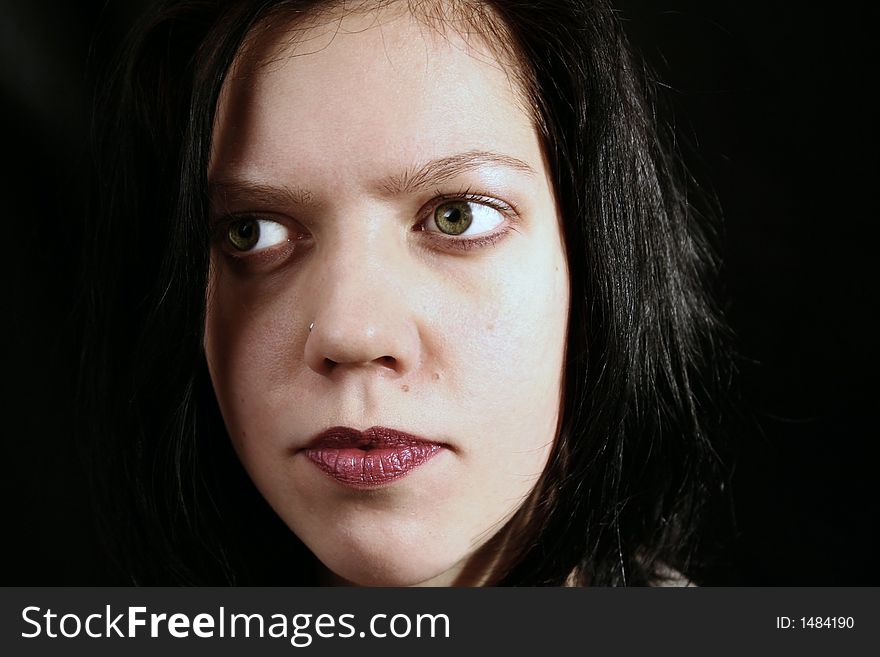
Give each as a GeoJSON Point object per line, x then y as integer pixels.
{"type": "Point", "coordinates": [369, 458]}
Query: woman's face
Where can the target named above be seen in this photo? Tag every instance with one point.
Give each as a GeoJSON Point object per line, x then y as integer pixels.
{"type": "Point", "coordinates": [379, 181]}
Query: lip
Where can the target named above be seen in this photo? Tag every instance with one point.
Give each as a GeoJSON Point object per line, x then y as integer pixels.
{"type": "Point", "coordinates": [371, 458]}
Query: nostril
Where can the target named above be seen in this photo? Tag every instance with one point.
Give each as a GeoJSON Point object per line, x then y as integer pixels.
{"type": "Point", "coordinates": [385, 361]}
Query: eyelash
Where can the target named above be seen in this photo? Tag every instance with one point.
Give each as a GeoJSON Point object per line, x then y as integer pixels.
{"type": "Point", "coordinates": [267, 256]}
{"type": "Point", "coordinates": [466, 194]}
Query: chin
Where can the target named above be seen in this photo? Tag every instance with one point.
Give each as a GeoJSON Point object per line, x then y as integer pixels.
{"type": "Point", "coordinates": [390, 563]}
{"type": "Point", "coordinates": [391, 575]}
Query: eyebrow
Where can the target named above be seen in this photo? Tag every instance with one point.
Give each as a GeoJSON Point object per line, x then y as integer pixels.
{"type": "Point", "coordinates": [222, 193]}
{"type": "Point", "coordinates": [418, 178]}
{"type": "Point", "coordinates": [438, 171]}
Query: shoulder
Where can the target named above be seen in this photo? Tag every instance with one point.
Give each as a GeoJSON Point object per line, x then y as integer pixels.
{"type": "Point", "coordinates": [666, 576]}
{"type": "Point", "coordinates": [670, 577]}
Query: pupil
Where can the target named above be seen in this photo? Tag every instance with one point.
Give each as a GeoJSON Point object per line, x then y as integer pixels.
{"type": "Point", "coordinates": [245, 230]}
{"type": "Point", "coordinates": [453, 215]}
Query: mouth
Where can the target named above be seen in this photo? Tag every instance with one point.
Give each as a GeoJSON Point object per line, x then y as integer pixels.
{"type": "Point", "coordinates": [367, 459]}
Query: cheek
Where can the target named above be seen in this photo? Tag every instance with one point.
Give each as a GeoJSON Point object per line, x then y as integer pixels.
{"type": "Point", "coordinates": [252, 333]}
{"type": "Point", "coordinates": [506, 368]}
{"type": "Point", "coordinates": [510, 332]}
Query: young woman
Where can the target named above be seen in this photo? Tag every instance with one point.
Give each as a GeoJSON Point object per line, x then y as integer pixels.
{"type": "Point", "coordinates": [423, 270]}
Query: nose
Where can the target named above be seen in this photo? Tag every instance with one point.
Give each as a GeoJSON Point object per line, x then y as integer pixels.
{"type": "Point", "coordinates": [361, 318]}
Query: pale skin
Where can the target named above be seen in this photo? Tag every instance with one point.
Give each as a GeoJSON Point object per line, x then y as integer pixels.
{"type": "Point", "coordinates": [343, 146]}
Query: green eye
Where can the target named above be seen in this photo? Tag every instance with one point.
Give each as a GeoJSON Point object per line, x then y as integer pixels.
{"type": "Point", "coordinates": [244, 234]}
{"type": "Point", "coordinates": [253, 234]}
{"type": "Point", "coordinates": [453, 218]}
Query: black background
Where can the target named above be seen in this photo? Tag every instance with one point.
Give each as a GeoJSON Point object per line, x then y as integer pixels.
{"type": "Point", "coordinates": [775, 106]}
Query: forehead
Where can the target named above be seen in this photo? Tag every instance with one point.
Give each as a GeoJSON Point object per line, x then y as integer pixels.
{"type": "Point", "coordinates": [372, 85]}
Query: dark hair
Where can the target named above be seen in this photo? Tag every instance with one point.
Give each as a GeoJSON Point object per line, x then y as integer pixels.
{"type": "Point", "coordinates": [646, 363]}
